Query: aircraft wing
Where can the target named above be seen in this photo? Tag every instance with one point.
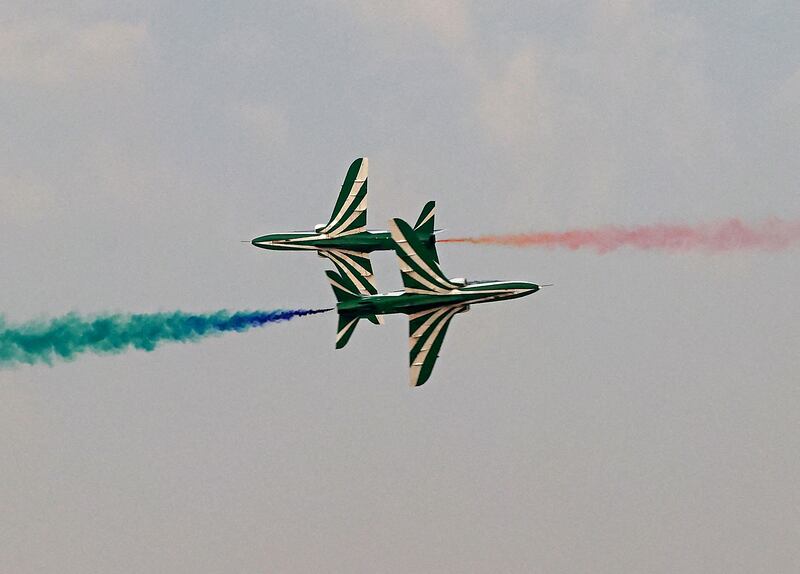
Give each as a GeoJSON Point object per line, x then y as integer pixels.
{"type": "Point", "coordinates": [418, 267]}
{"type": "Point", "coordinates": [426, 331]}
{"type": "Point", "coordinates": [355, 265]}
{"type": "Point", "coordinates": [350, 212]}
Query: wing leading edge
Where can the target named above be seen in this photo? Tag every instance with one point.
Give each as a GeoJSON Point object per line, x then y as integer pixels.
{"type": "Point", "coordinates": [420, 271]}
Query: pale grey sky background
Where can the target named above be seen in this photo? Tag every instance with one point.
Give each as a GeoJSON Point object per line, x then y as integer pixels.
{"type": "Point", "coordinates": [641, 416]}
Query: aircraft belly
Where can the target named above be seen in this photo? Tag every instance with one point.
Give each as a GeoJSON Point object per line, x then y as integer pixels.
{"type": "Point", "coordinates": [415, 303]}
{"type": "Point", "coordinates": [360, 243]}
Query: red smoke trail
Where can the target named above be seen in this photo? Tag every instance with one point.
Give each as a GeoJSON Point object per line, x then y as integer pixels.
{"type": "Point", "coordinates": [730, 235]}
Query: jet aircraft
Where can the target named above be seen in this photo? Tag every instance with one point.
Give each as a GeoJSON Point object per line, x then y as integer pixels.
{"type": "Point", "coordinates": [429, 299]}
{"type": "Point", "coordinates": [345, 239]}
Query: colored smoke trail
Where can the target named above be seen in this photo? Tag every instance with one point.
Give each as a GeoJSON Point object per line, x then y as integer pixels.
{"type": "Point", "coordinates": [730, 235]}
{"type": "Point", "coordinates": [65, 337]}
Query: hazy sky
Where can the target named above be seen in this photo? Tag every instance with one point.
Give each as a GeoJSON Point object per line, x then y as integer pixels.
{"type": "Point", "coordinates": [640, 416]}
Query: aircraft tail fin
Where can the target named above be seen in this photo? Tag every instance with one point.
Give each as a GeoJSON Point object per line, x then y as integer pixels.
{"type": "Point", "coordinates": [424, 222]}
{"type": "Point", "coordinates": [425, 229]}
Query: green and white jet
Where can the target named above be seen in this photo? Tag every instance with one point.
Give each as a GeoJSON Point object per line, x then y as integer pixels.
{"type": "Point", "coordinates": [345, 239]}
{"type": "Point", "coordinates": [429, 299]}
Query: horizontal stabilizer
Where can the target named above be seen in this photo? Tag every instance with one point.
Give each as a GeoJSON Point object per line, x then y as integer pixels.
{"type": "Point", "coordinates": [342, 286]}
{"type": "Point", "coordinates": [345, 329]}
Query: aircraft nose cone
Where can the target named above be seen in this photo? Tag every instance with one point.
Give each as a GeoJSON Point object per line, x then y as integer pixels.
{"type": "Point", "coordinates": [519, 289]}
{"type": "Point", "coordinates": [262, 241]}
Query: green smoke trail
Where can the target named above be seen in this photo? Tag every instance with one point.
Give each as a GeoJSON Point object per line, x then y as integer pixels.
{"type": "Point", "coordinates": [63, 338]}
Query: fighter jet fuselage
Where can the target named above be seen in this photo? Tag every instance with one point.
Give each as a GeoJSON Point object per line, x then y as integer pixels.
{"type": "Point", "coordinates": [363, 242]}
{"type": "Point", "coordinates": [404, 302]}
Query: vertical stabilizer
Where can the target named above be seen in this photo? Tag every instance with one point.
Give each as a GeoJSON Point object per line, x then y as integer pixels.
{"type": "Point", "coordinates": [425, 229]}
{"type": "Point", "coordinates": [424, 222]}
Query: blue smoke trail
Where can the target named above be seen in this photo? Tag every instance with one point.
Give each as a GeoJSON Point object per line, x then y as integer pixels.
{"type": "Point", "coordinates": [65, 337]}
